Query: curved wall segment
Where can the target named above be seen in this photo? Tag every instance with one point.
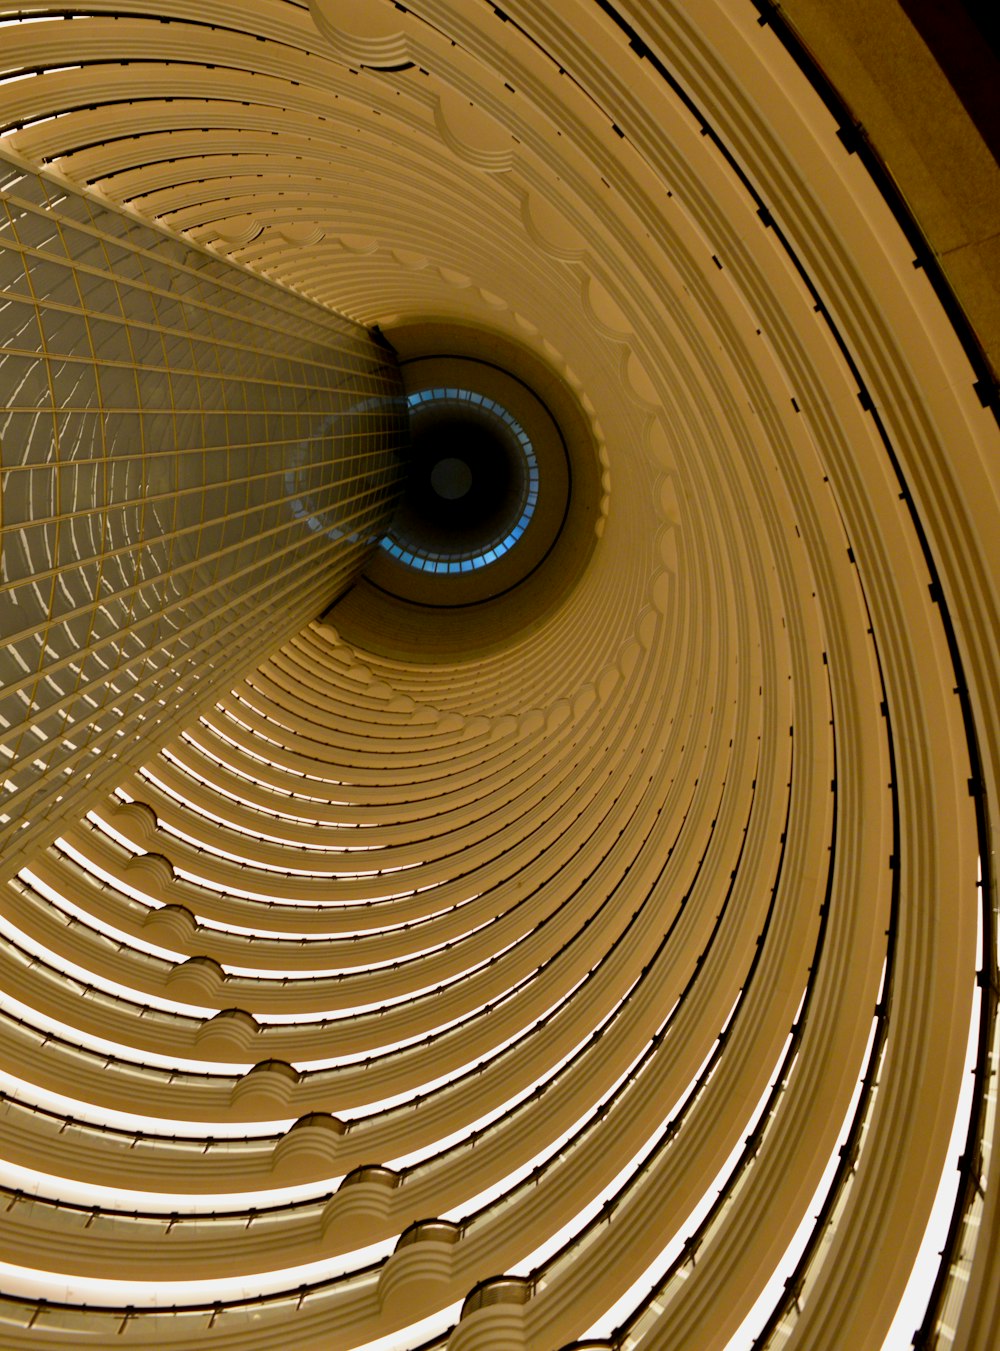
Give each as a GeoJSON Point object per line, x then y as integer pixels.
{"type": "Point", "coordinates": [610, 963]}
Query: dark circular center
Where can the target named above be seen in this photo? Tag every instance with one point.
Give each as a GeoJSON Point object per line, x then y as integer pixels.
{"type": "Point", "coordinates": [467, 484]}
{"type": "Point", "coordinates": [451, 478]}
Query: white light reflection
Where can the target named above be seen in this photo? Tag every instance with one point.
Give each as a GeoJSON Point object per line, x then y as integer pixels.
{"type": "Point", "coordinates": [479, 1062]}
{"type": "Point", "coordinates": [256, 834]}
{"type": "Point", "coordinates": [62, 965]}
{"type": "Point", "coordinates": [913, 1305]}
{"type": "Point", "coordinates": [214, 759]}
{"type": "Point", "coordinates": [204, 846]}
{"type": "Point", "coordinates": [59, 1188]}
{"type": "Point", "coordinates": [132, 1123]}
{"type": "Point", "coordinates": [62, 903]}
{"type": "Point", "coordinates": [271, 764]}
{"type": "Point", "coordinates": [656, 1271]}
{"type": "Point", "coordinates": [465, 1133]}
{"type": "Point", "coordinates": [416, 1334]}
{"type": "Point", "coordinates": [50, 1285]}
{"type": "Point", "coordinates": [751, 1326]}
{"type": "Point", "coordinates": [120, 884]}
{"type": "Point", "coordinates": [183, 768]}
{"type": "Point", "coordinates": [137, 1057]}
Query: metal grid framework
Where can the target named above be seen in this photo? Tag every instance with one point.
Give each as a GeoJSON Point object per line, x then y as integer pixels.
{"type": "Point", "coordinates": [184, 451]}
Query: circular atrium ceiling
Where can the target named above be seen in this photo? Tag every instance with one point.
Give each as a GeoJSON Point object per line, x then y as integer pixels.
{"type": "Point", "coordinates": [472, 484]}
{"type": "Point", "coordinates": [580, 929]}
{"type": "Point", "coordinates": [487, 487]}
{"type": "Point", "coordinates": [468, 574]}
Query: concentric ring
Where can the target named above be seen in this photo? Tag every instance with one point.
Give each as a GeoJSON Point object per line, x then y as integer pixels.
{"type": "Point", "coordinates": [460, 555]}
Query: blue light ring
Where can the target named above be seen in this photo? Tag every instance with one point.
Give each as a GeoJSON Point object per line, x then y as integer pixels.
{"type": "Point", "coordinates": [427, 561]}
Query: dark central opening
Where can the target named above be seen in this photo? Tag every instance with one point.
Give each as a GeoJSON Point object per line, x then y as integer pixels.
{"type": "Point", "coordinates": [466, 482]}
{"type": "Point", "coordinates": [451, 478]}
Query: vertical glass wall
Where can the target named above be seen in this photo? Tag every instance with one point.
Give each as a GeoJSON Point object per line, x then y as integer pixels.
{"type": "Point", "coordinates": [195, 462]}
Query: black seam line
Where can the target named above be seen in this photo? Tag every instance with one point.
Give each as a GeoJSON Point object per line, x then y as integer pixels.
{"type": "Point", "coordinates": [609, 1020]}
{"type": "Point", "coordinates": [659, 1036]}
{"type": "Point", "coordinates": [26, 889]}
{"type": "Point", "coordinates": [116, 1058]}
{"type": "Point", "coordinates": [174, 1220]}
{"type": "Point", "coordinates": [80, 146]}
{"type": "Point", "coordinates": [646, 974]}
{"type": "Point", "coordinates": [135, 100]}
{"type": "Point", "coordinates": [172, 21]}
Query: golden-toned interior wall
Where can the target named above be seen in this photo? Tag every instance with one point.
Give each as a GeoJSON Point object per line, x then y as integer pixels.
{"type": "Point", "coordinates": [187, 452]}
{"type": "Point", "coordinates": [635, 959]}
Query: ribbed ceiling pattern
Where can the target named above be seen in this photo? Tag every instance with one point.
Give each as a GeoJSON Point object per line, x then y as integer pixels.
{"type": "Point", "coordinates": [642, 960]}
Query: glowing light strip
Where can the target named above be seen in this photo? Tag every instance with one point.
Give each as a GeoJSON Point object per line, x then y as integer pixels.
{"type": "Point", "coordinates": [657, 1269]}
{"type": "Point", "coordinates": [243, 774]}
{"type": "Point", "coordinates": [61, 902]}
{"type": "Point", "coordinates": [911, 1308]}
{"type": "Point", "coordinates": [63, 966]}
{"type": "Point", "coordinates": [120, 884]}
{"type": "Point", "coordinates": [750, 1328]}
{"type": "Point", "coordinates": [254, 754]}
{"type": "Point", "coordinates": [417, 1156]}
{"type": "Point", "coordinates": [550, 1246]}
{"type": "Point", "coordinates": [477, 1062]}
{"type": "Point", "coordinates": [186, 769]}
{"type": "Point", "coordinates": [203, 813]}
